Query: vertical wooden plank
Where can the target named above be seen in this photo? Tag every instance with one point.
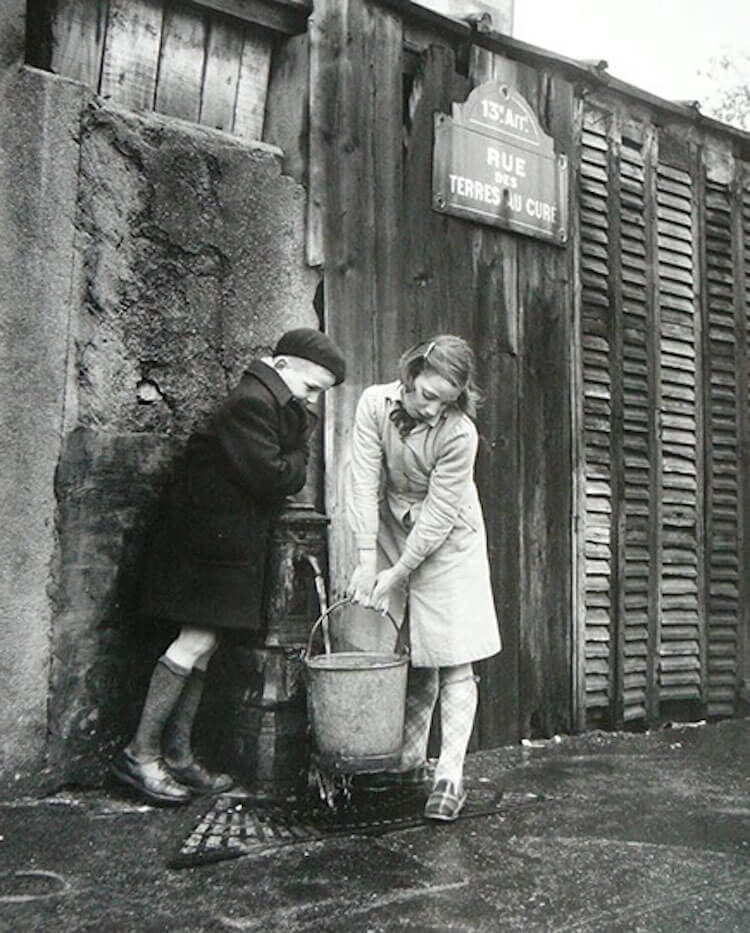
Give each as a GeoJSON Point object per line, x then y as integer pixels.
{"type": "Point", "coordinates": [182, 57]}
{"type": "Point", "coordinates": [131, 53]}
{"type": "Point", "coordinates": [703, 392]}
{"type": "Point", "coordinates": [636, 224]}
{"type": "Point", "coordinates": [724, 569]}
{"type": "Point", "coordinates": [317, 28]}
{"type": "Point", "coordinates": [701, 399]}
{"type": "Point", "coordinates": [253, 81]}
{"type": "Point", "coordinates": [437, 254]}
{"type": "Point", "coordinates": [386, 126]}
{"type": "Point", "coordinates": [287, 109]}
{"type": "Point", "coordinates": [578, 452]}
{"type": "Point", "coordinates": [545, 452]}
{"type": "Point", "coordinates": [745, 374]}
{"type": "Point", "coordinates": [495, 338]}
{"type": "Point", "coordinates": [681, 618]}
{"type": "Point", "coordinates": [561, 109]}
{"type": "Point", "coordinates": [340, 137]}
{"type": "Point", "coordinates": [740, 336]}
{"type": "Point", "coordinates": [616, 430]}
{"type": "Point", "coordinates": [78, 30]}
{"type": "Point", "coordinates": [654, 425]}
{"type": "Point", "coordinates": [496, 334]}
{"type": "Point", "coordinates": [223, 55]}
{"type": "Point", "coordinates": [336, 113]}
{"type": "Point", "coordinates": [594, 194]}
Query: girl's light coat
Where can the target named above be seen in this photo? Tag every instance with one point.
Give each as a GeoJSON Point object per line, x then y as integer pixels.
{"type": "Point", "coordinates": [416, 500]}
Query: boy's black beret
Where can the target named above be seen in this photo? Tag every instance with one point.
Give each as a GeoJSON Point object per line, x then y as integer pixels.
{"type": "Point", "coordinates": [312, 345]}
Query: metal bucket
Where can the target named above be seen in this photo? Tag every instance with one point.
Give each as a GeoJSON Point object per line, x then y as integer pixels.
{"type": "Point", "coordinates": [356, 702]}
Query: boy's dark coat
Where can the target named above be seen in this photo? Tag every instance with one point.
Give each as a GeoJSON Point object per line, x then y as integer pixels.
{"type": "Point", "coordinates": [207, 560]}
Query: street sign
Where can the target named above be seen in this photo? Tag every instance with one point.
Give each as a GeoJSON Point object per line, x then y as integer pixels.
{"type": "Point", "coordinates": [493, 164]}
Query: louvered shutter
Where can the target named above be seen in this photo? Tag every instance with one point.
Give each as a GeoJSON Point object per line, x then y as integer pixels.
{"type": "Point", "coordinates": [723, 479]}
{"type": "Point", "coordinates": [597, 411]}
{"type": "Point", "coordinates": [745, 207]}
{"type": "Point", "coordinates": [636, 455]}
{"type": "Point", "coordinates": [680, 617]}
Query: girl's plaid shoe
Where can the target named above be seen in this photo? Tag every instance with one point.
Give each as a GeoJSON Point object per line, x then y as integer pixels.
{"type": "Point", "coordinates": [445, 801]}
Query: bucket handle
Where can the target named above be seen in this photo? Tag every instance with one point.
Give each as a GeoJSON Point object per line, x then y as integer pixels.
{"type": "Point", "coordinates": [343, 602]}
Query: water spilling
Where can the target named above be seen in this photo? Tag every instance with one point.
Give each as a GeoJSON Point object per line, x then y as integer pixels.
{"type": "Point", "coordinates": [333, 788]}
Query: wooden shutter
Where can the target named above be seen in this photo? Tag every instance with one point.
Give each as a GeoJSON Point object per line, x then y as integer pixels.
{"type": "Point", "coordinates": [679, 674]}
{"type": "Point", "coordinates": [597, 411]}
{"type": "Point", "coordinates": [722, 461]}
{"type": "Point", "coordinates": [744, 263]}
{"type": "Point", "coordinates": [746, 268]}
{"type": "Point", "coordinates": [635, 545]}
{"type": "Point", "coordinates": [745, 208]}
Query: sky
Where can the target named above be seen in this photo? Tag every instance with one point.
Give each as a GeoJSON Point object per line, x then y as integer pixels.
{"type": "Point", "coordinates": [658, 45]}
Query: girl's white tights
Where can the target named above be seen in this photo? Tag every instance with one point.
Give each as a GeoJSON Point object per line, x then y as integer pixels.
{"type": "Point", "coordinates": [457, 689]}
{"type": "Point", "coordinates": [458, 706]}
{"type": "Point", "coordinates": [421, 695]}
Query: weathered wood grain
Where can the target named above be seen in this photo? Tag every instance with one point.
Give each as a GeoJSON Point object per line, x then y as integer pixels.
{"type": "Point", "coordinates": [182, 59]}
{"type": "Point", "coordinates": [78, 30]}
{"type": "Point", "coordinates": [131, 53]}
{"type": "Point", "coordinates": [287, 108]}
{"type": "Point", "coordinates": [384, 48]}
{"type": "Point", "coordinates": [544, 289]}
{"type": "Point", "coordinates": [252, 89]}
{"type": "Point", "coordinates": [222, 71]}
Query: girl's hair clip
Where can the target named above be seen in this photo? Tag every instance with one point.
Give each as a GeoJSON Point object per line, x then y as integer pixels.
{"type": "Point", "coordinates": [429, 350]}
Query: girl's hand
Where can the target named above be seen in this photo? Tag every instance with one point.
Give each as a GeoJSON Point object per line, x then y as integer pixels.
{"type": "Point", "coordinates": [385, 582]}
{"type": "Point", "coordinates": [363, 580]}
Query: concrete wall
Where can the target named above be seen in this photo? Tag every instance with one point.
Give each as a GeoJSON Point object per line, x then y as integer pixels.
{"type": "Point", "coordinates": [189, 261]}
{"type": "Point", "coordinates": [142, 263]}
{"type": "Point", "coordinates": [38, 158]}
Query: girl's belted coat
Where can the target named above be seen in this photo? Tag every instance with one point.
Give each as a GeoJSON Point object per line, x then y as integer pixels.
{"type": "Point", "coordinates": [415, 499]}
{"type": "Point", "coordinates": [207, 559]}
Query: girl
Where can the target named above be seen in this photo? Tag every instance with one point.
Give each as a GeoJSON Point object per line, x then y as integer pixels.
{"type": "Point", "coordinates": [420, 538]}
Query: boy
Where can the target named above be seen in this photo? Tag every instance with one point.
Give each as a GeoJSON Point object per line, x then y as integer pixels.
{"type": "Point", "coordinates": [208, 556]}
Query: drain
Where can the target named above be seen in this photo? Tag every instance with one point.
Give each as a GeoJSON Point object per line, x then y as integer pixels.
{"type": "Point", "coordinates": [233, 827]}
{"type": "Point", "coordinates": [20, 886]}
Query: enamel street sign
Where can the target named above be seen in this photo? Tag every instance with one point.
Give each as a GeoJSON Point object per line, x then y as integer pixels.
{"type": "Point", "coordinates": [493, 164]}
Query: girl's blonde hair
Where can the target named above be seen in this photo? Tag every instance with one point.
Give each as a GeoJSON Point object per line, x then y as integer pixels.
{"type": "Point", "coordinates": [450, 357]}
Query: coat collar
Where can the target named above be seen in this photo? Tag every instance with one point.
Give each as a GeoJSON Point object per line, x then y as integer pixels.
{"type": "Point", "coordinates": [271, 380]}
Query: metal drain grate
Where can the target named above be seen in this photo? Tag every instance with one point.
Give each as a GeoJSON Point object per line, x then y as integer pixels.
{"type": "Point", "coordinates": [232, 828]}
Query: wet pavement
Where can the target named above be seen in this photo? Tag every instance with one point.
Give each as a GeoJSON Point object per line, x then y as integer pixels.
{"type": "Point", "coordinates": [645, 832]}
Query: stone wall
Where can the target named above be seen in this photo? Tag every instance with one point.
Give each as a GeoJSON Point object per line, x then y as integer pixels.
{"type": "Point", "coordinates": [144, 262]}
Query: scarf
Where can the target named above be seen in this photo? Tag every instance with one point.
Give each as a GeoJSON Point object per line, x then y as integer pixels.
{"type": "Point", "coordinates": [402, 419]}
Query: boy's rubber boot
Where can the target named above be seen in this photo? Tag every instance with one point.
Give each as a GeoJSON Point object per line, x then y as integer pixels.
{"type": "Point", "coordinates": [178, 751]}
{"type": "Point", "coordinates": [140, 765]}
